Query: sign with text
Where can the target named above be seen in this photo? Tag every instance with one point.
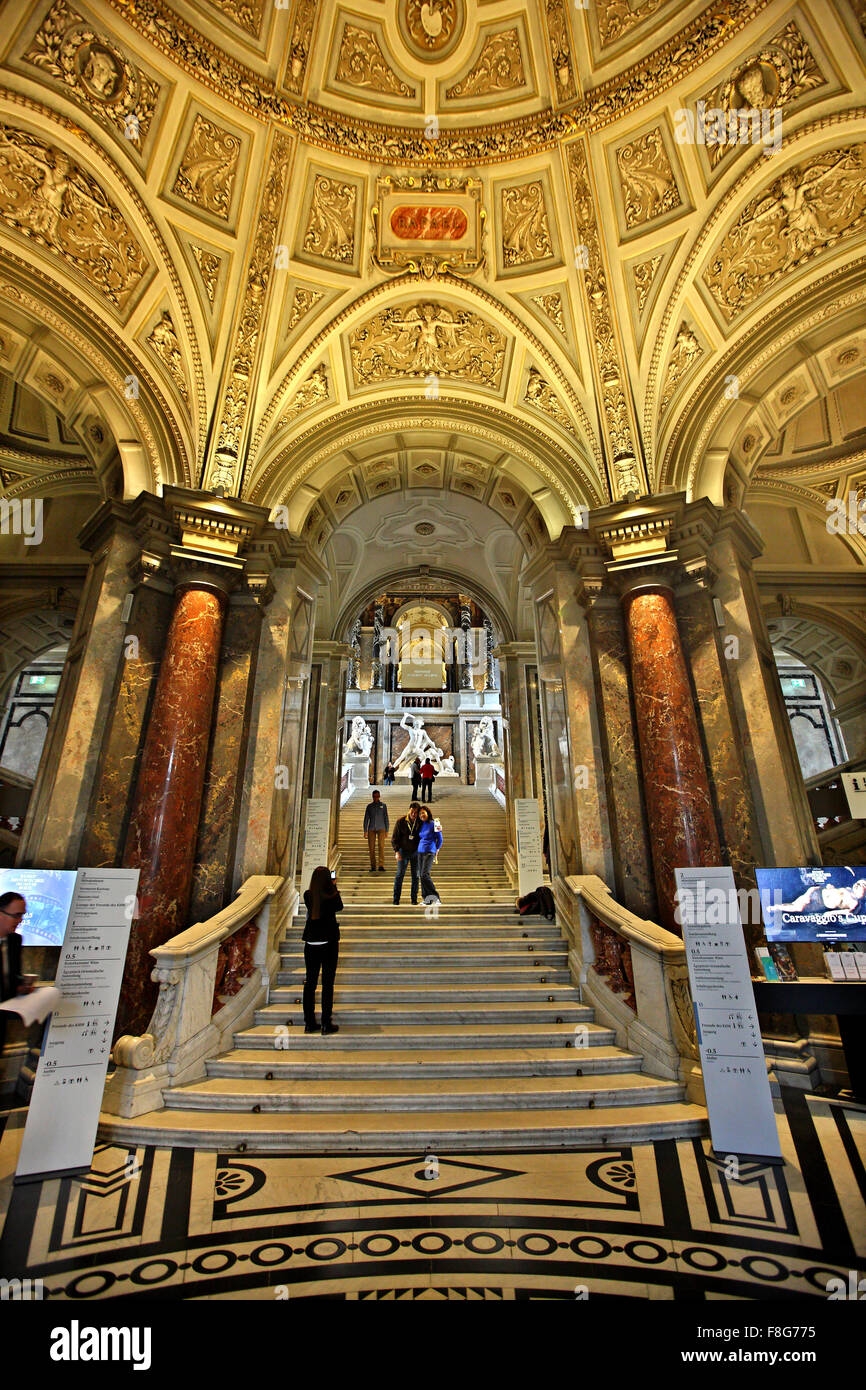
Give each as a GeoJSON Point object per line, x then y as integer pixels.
{"type": "Point", "coordinates": [729, 1037]}
{"type": "Point", "coordinates": [317, 825]}
{"type": "Point", "coordinates": [67, 1095]}
{"type": "Point", "coordinates": [530, 865]}
{"type": "Point", "coordinates": [855, 790]}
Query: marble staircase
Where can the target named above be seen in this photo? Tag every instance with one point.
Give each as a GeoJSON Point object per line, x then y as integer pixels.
{"type": "Point", "coordinates": [461, 1031]}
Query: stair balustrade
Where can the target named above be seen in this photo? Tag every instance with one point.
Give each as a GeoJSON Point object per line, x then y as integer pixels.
{"type": "Point", "coordinates": [634, 974]}
{"type": "Point", "coordinates": [212, 977]}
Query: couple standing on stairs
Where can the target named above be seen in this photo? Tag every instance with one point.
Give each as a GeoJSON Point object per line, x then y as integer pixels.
{"type": "Point", "coordinates": [416, 842]}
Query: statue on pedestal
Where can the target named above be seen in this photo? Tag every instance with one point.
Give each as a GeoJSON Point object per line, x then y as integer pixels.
{"type": "Point", "coordinates": [360, 740]}
{"type": "Point", "coordinates": [484, 743]}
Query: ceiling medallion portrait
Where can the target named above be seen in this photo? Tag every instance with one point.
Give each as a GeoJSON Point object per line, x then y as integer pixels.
{"type": "Point", "coordinates": [431, 28]}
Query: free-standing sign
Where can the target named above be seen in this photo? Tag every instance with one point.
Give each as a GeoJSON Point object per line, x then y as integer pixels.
{"type": "Point", "coordinates": [729, 1038]}
{"type": "Point", "coordinates": [317, 825]}
{"type": "Point", "coordinates": [855, 790]}
{"type": "Point", "coordinates": [530, 865]}
{"type": "Point", "coordinates": [67, 1094]}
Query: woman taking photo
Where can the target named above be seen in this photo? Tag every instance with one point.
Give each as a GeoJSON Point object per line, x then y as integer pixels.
{"type": "Point", "coordinates": [321, 947]}
{"type": "Point", "coordinates": [429, 845]}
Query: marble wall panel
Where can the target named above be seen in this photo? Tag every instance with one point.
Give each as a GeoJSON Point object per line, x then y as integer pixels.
{"type": "Point", "coordinates": [214, 855]}
{"type": "Point", "coordinates": [632, 856]}
{"type": "Point", "coordinates": [110, 804]}
{"type": "Point", "coordinates": [563, 840]}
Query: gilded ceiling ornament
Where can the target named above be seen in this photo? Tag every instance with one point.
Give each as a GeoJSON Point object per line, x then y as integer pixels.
{"type": "Point", "coordinates": [525, 230]}
{"type": "Point", "coordinates": [430, 24]}
{"type": "Point", "coordinates": [363, 64]}
{"type": "Point", "coordinates": [859, 8]}
{"type": "Point", "coordinates": [551, 305]}
{"type": "Point", "coordinates": [331, 225]}
{"type": "Point", "coordinates": [644, 274]}
{"type": "Point", "coordinates": [617, 18]}
{"type": "Point", "coordinates": [246, 14]}
{"type": "Point", "coordinates": [94, 71]}
{"type": "Point", "coordinates": [608, 361]}
{"type": "Point", "coordinates": [301, 41]}
{"type": "Point", "coordinates": [810, 208]}
{"type": "Point", "coordinates": [302, 302]}
{"type": "Point", "coordinates": [427, 338]}
{"type": "Point", "coordinates": [207, 171]}
{"type": "Point", "coordinates": [246, 343]}
{"type": "Point", "coordinates": [7, 477]}
{"type": "Point", "coordinates": [560, 48]}
{"type": "Point", "coordinates": [164, 341]}
{"type": "Point", "coordinates": [686, 350]}
{"type": "Point", "coordinates": [646, 179]}
{"type": "Point", "coordinates": [499, 68]}
{"type": "Point", "coordinates": [540, 394]}
{"type": "Point", "coordinates": [770, 79]}
{"type": "Point", "coordinates": [50, 200]}
{"type": "Point", "coordinates": [209, 265]}
{"type": "Point", "coordinates": [311, 392]}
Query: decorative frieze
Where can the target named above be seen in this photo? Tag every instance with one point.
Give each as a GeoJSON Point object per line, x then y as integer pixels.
{"type": "Point", "coordinates": [427, 338]}
{"type": "Point", "coordinates": [330, 229]}
{"type": "Point", "coordinates": [206, 174]}
{"type": "Point", "coordinates": [499, 68]}
{"type": "Point", "coordinates": [525, 229]}
{"type": "Point", "coordinates": [647, 181]}
{"type": "Point", "coordinates": [362, 64]}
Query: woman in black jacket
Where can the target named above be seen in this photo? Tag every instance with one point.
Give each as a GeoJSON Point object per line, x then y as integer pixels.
{"type": "Point", "coordinates": [321, 947]}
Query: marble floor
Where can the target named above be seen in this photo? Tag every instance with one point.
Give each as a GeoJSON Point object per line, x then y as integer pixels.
{"type": "Point", "coordinates": [654, 1221]}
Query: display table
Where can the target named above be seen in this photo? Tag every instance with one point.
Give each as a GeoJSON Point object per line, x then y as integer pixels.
{"type": "Point", "coordinates": [844, 998]}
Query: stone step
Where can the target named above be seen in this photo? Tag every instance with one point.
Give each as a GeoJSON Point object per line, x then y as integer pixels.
{"type": "Point", "coordinates": [470, 1093]}
{"type": "Point", "coordinates": [444, 1131]}
{"type": "Point", "coordinates": [349, 1015]}
{"type": "Point", "coordinates": [365, 1037]}
{"type": "Point", "coordinates": [401, 958]}
{"type": "Point", "coordinates": [426, 932]}
{"type": "Point", "coordinates": [436, 973]}
{"type": "Point", "coordinates": [328, 1060]}
{"type": "Point", "coordinates": [430, 994]}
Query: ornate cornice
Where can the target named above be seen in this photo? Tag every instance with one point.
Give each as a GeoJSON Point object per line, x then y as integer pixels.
{"type": "Point", "coordinates": [503, 437]}
{"type": "Point", "coordinates": [476, 145]}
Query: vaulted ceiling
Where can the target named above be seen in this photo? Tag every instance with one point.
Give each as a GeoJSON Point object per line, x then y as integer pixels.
{"type": "Point", "coordinates": [307, 252]}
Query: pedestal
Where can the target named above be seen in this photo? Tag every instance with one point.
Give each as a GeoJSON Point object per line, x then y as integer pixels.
{"type": "Point", "coordinates": [485, 770]}
{"type": "Point", "coordinates": [359, 769]}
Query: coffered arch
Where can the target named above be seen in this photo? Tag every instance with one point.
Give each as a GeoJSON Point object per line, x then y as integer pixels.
{"type": "Point", "coordinates": [437, 578]}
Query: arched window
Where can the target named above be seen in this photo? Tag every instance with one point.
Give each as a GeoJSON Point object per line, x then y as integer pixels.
{"type": "Point", "coordinates": [817, 735]}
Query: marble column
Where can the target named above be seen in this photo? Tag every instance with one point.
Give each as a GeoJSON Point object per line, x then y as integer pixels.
{"type": "Point", "coordinates": [378, 624]}
{"type": "Point", "coordinates": [355, 654]}
{"type": "Point", "coordinates": [326, 746]}
{"type": "Point", "coordinates": [489, 681]}
{"type": "Point", "coordinates": [676, 785]}
{"type": "Point", "coordinates": [466, 652]}
{"type": "Point", "coordinates": [163, 825]}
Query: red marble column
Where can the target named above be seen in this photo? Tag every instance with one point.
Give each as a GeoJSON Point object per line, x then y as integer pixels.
{"type": "Point", "coordinates": [163, 825]}
{"type": "Point", "coordinates": [676, 786]}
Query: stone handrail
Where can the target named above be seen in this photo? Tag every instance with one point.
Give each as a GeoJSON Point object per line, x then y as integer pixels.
{"type": "Point", "coordinates": [211, 977]}
{"type": "Point", "coordinates": [634, 974]}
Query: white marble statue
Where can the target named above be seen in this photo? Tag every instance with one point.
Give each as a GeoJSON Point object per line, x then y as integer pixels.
{"type": "Point", "coordinates": [484, 743]}
{"type": "Point", "coordinates": [360, 739]}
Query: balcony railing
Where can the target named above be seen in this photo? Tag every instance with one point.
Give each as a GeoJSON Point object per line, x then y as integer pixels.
{"type": "Point", "coordinates": [827, 800]}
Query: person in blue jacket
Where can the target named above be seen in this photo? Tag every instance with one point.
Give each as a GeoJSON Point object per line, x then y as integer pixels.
{"type": "Point", "coordinates": [429, 845]}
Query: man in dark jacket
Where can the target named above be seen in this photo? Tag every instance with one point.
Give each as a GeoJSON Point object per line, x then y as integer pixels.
{"type": "Point", "coordinates": [415, 772]}
{"type": "Point", "coordinates": [376, 825]}
{"type": "Point", "coordinates": [405, 843]}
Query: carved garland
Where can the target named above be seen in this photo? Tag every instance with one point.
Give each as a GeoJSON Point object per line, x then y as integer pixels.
{"type": "Point", "coordinates": [666, 67]}
{"type": "Point", "coordinates": [613, 961]}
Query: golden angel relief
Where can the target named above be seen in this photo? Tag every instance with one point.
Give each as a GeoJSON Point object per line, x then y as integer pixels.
{"type": "Point", "coordinates": [807, 210]}
{"type": "Point", "coordinates": [49, 199]}
{"type": "Point", "coordinates": [427, 340]}
{"type": "Point", "coordinates": [525, 230]}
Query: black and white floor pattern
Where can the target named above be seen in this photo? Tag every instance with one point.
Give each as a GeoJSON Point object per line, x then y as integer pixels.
{"type": "Point", "coordinates": [657, 1221]}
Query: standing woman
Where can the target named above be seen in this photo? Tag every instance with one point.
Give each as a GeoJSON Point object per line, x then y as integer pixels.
{"type": "Point", "coordinates": [429, 845]}
{"type": "Point", "coordinates": [321, 947]}
{"type": "Point", "coordinates": [415, 773]}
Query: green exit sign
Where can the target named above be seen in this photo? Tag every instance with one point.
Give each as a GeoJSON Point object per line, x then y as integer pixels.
{"type": "Point", "coordinates": [38, 680]}
{"type": "Point", "coordinates": [798, 684]}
